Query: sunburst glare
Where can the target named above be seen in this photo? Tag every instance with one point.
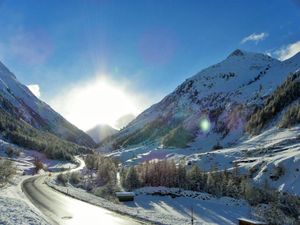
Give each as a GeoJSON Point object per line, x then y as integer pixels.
{"type": "Point", "coordinates": [98, 101]}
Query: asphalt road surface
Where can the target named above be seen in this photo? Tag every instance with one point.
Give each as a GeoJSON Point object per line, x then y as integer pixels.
{"type": "Point", "coordinates": [61, 209]}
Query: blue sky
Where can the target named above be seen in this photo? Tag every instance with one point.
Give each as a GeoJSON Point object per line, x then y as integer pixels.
{"type": "Point", "coordinates": [145, 47]}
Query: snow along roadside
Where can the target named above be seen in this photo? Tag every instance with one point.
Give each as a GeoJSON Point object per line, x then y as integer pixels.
{"type": "Point", "coordinates": [16, 211]}
{"type": "Point", "coordinates": [163, 209]}
{"type": "Point", "coordinates": [16, 208]}
{"type": "Point", "coordinates": [149, 216]}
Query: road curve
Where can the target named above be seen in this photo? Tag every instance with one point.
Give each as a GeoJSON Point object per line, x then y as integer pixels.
{"type": "Point", "coordinates": [61, 209]}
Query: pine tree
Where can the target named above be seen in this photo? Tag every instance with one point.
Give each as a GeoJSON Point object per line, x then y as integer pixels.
{"type": "Point", "coordinates": [181, 176]}
{"type": "Point", "coordinates": [195, 178]}
{"type": "Point", "coordinates": [132, 179]}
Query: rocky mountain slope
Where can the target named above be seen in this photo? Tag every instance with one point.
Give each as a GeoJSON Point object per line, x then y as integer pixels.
{"type": "Point", "coordinates": [123, 121]}
{"type": "Point", "coordinates": [18, 102]}
{"type": "Point", "coordinates": [99, 132]}
{"type": "Point", "coordinates": [210, 109]}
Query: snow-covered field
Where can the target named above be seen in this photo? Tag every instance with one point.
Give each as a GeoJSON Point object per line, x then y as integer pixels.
{"type": "Point", "coordinates": [164, 209]}
{"type": "Point", "coordinates": [206, 208]}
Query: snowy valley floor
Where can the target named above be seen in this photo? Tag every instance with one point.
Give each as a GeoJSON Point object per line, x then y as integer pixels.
{"type": "Point", "coordinates": [260, 155]}
{"type": "Point", "coordinates": [163, 209]}
{"type": "Point", "coordinates": [265, 152]}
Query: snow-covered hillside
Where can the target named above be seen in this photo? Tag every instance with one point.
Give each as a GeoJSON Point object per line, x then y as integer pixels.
{"type": "Point", "coordinates": [17, 100]}
{"type": "Point", "coordinates": [272, 157]}
{"type": "Point", "coordinates": [211, 108]}
{"type": "Point", "coordinates": [212, 111]}
{"type": "Point", "coordinates": [99, 132]}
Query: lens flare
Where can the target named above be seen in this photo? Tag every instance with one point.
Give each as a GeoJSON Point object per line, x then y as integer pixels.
{"type": "Point", "coordinates": [204, 125]}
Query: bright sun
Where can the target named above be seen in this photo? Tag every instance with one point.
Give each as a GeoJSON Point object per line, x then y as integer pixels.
{"type": "Point", "coordinates": [99, 101]}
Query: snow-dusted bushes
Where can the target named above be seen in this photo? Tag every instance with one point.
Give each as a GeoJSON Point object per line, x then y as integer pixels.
{"type": "Point", "coordinates": [285, 210]}
{"type": "Point", "coordinates": [75, 178]}
{"type": "Point", "coordinates": [100, 177]}
{"type": "Point", "coordinates": [38, 165]}
{"type": "Point", "coordinates": [63, 178]}
{"type": "Point", "coordinates": [7, 170]}
{"type": "Point", "coordinates": [277, 172]}
{"type": "Point", "coordinates": [12, 152]}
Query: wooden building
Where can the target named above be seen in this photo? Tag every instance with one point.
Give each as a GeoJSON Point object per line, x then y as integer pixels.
{"type": "Point", "coordinates": [244, 221]}
{"type": "Point", "coordinates": [125, 196]}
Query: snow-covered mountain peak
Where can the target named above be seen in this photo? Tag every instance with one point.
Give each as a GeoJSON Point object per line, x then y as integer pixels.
{"type": "Point", "coordinates": [226, 93]}
{"type": "Point", "coordinates": [237, 52]}
{"type": "Point", "coordinates": [100, 132]}
{"type": "Point", "coordinates": [242, 54]}
{"type": "Point", "coordinates": [238, 60]}
{"type": "Point", "coordinates": [240, 71]}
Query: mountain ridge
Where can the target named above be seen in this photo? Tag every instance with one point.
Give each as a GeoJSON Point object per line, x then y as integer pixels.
{"type": "Point", "coordinates": [225, 93]}
{"type": "Point", "coordinates": [100, 132]}
{"type": "Point", "coordinates": [27, 107]}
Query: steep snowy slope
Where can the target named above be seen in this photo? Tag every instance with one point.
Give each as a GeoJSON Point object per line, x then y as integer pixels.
{"type": "Point", "coordinates": [18, 101]}
{"type": "Point", "coordinates": [123, 121]}
{"type": "Point", "coordinates": [99, 132]}
{"type": "Point", "coordinates": [210, 108]}
{"type": "Point", "coordinates": [272, 157]}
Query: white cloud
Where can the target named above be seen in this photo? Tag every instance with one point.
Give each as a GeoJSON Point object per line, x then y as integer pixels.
{"type": "Point", "coordinates": [35, 89]}
{"type": "Point", "coordinates": [99, 101]}
{"type": "Point", "coordinates": [288, 51]}
{"type": "Point", "coordinates": [255, 37]}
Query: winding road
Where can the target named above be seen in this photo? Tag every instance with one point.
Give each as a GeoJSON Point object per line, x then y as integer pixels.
{"type": "Point", "coordinates": [61, 209]}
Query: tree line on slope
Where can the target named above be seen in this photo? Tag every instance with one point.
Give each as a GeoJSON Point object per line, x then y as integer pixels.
{"type": "Point", "coordinates": [283, 96]}
{"type": "Point", "coordinates": [168, 131]}
{"type": "Point", "coordinates": [218, 183]}
{"type": "Point", "coordinates": [291, 116]}
{"type": "Point", "coordinates": [21, 133]}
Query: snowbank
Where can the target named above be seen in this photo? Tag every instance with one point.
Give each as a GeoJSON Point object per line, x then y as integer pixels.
{"type": "Point", "coordinates": [16, 211]}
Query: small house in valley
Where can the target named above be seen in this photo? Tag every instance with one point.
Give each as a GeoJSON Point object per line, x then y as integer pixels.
{"type": "Point", "coordinates": [125, 196]}
{"type": "Point", "coordinates": [244, 221]}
